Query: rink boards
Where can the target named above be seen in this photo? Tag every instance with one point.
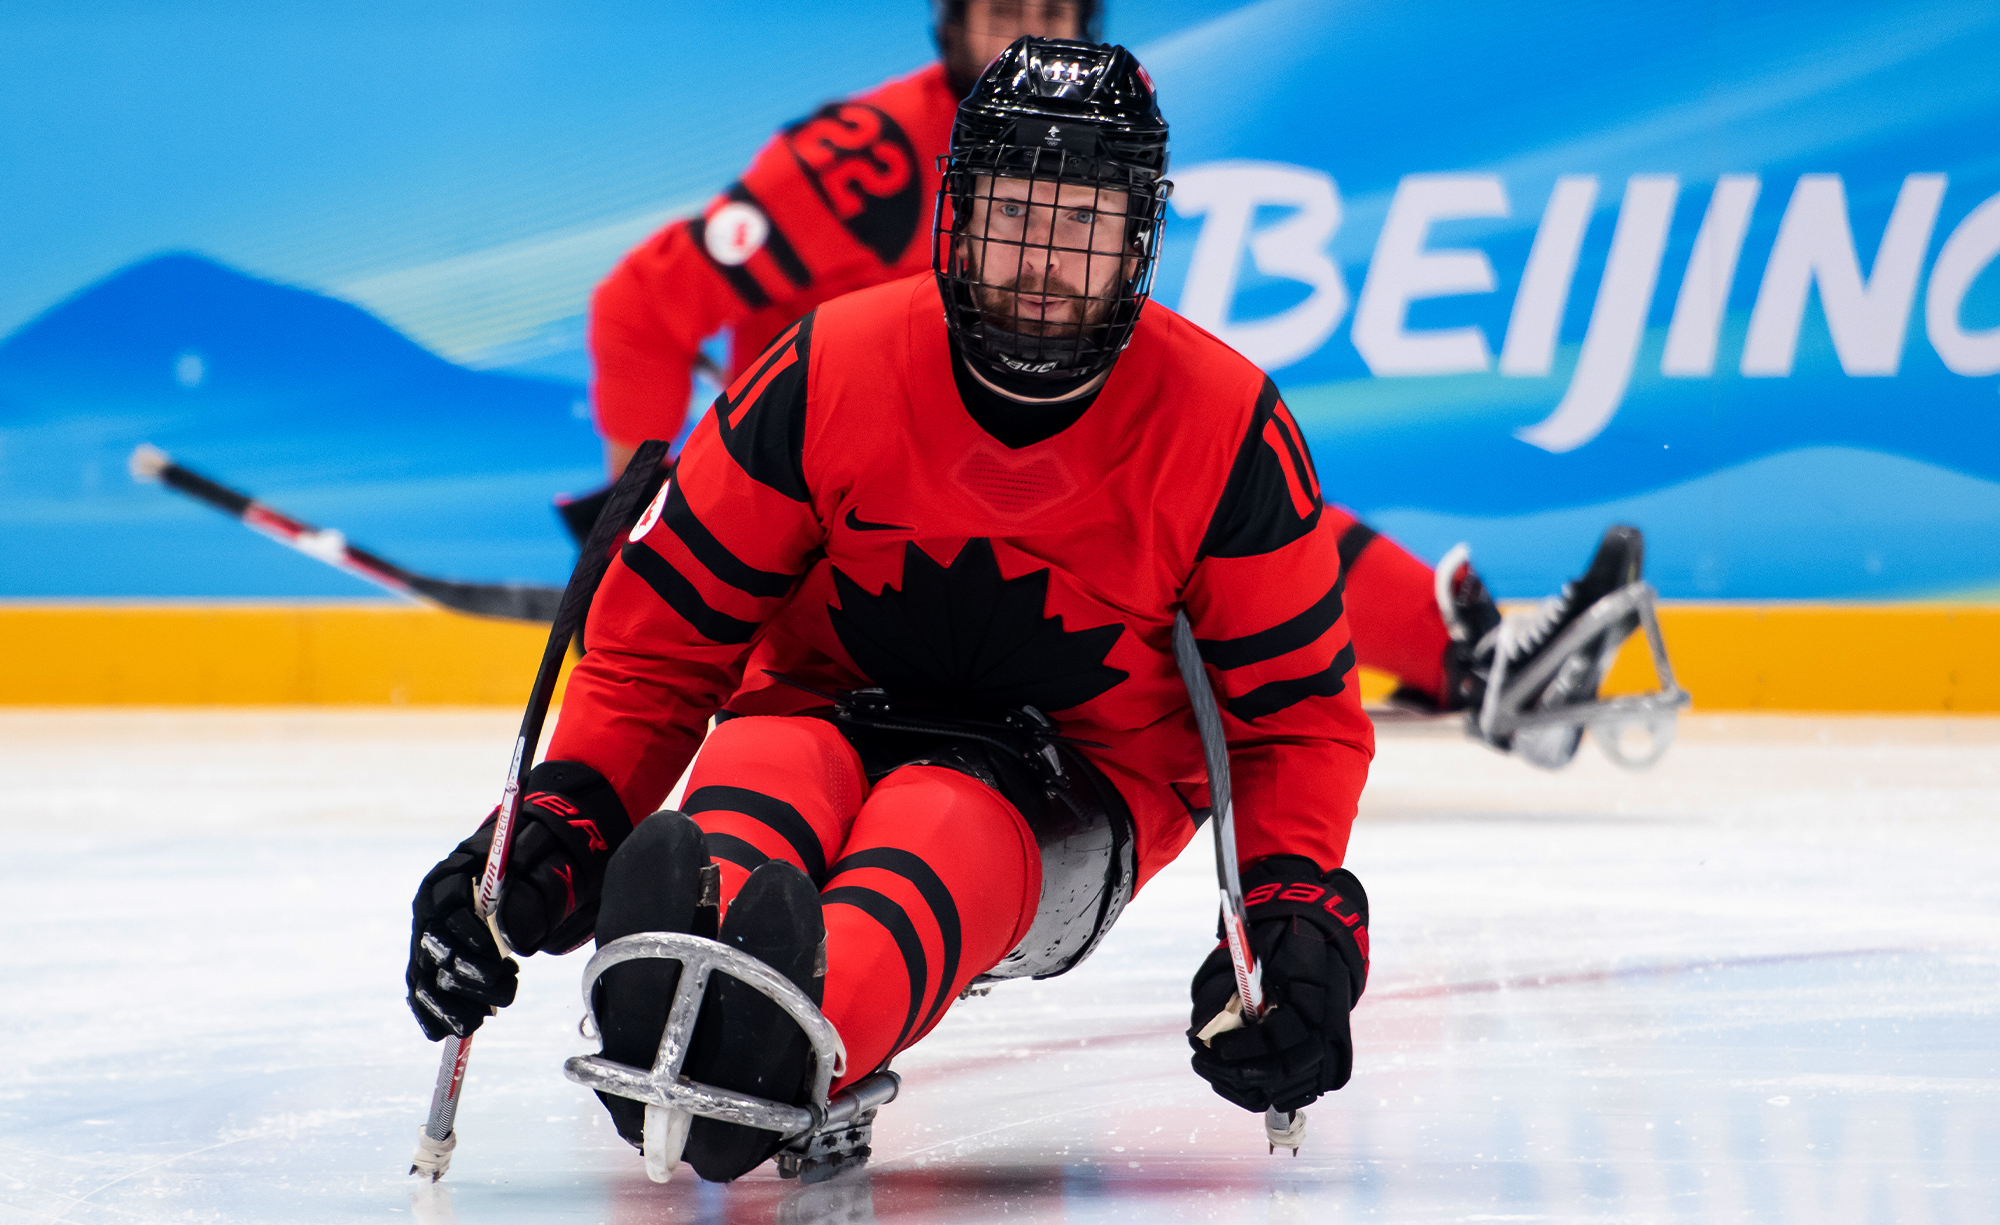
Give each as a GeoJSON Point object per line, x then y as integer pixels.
{"type": "Point", "coordinates": [1803, 657]}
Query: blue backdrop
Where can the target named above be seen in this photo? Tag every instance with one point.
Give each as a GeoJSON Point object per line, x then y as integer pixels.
{"type": "Point", "coordinates": [1727, 272]}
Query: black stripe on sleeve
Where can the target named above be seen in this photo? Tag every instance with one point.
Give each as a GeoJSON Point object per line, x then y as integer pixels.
{"type": "Point", "coordinates": [730, 848]}
{"type": "Point", "coordinates": [1281, 639]}
{"type": "Point", "coordinates": [726, 408]}
{"type": "Point", "coordinates": [1301, 462]}
{"type": "Point", "coordinates": [739, 277]}
{"type": "Point", "coordinates": [1256, 514]}
{"type": "Point", "coordinates": [1271, 698]}
{"type": "Point", "coordinates": [681, 596]}
{"type": "Point", "coordinates": [885, 911]}
{"type": "Point", "coordinates": [782, 818]}
{"type": "Point", "coordinates": [782, 252]}
{"type": "Point", "coordinates": [712, 553]}
{"type": "Point", "coordinates": [912, 868]}
{"type": "Point", "coordinates": [1357, 537]}
{"type": "Point", "coordinates": [767, 438]}
{"type": "Point", "coordinates": [1296, 441]}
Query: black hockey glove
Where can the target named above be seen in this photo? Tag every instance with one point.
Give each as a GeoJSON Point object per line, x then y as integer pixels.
{"type": "Point", "coordinates": [570, 823]}
{"type": "Point", "coordinates": [1310, 935]}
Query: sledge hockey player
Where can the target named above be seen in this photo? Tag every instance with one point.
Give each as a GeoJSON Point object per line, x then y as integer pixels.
{"type": "Point", "coordinates": [922, 563]}
{"type": "Point", "coordinates": [925, 555]}
{"type": "Point", "coordinates": [837, 201]}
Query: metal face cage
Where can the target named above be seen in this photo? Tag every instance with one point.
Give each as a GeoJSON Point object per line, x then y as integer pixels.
{"type": "Point", "coordinates": [1045, 254]}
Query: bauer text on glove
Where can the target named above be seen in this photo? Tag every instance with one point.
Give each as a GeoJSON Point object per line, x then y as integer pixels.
{"type": "Point", "coordinates": [569, 824]}
{"type": "Point", "coordinates": [1309, 933]}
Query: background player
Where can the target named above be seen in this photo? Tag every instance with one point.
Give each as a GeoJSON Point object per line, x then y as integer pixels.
{"type": "Point", "coordinates": [836, 202]}
{"type": "Point", "coordinates": [925, 555]}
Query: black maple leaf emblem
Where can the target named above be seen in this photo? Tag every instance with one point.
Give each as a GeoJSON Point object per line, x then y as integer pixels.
{"type": "Point", "coordinates": [962, 636]}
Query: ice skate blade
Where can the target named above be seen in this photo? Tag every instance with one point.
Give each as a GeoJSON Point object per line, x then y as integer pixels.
{"type": "Point", "coordinates": [832, 1150]}
{"type": "Point", "coordinates": [668, 1094]}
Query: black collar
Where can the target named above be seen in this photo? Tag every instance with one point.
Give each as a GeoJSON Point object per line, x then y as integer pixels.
{"type": "Point", "coordinates": [1014, 423]}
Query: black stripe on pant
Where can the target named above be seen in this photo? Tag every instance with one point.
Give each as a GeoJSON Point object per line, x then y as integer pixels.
{"type": "Point", "coordinates": [889, 913]}
{"type": "Point", "coordinates": [781, 818]}
{"type": "Point", "coordinates": [944, 911]}
{"type": "Point", "coordinates": [731, 849]}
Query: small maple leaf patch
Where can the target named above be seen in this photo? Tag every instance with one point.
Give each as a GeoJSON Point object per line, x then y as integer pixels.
{"type": "Point", "coordinates": [960, 635]}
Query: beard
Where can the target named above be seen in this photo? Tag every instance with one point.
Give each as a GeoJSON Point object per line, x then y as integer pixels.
{"type": "Point", "coordinates": [1041, 306]}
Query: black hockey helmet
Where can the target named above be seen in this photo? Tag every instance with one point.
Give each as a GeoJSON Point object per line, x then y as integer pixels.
{"type": "Point", "coordinates": [1043, 282]}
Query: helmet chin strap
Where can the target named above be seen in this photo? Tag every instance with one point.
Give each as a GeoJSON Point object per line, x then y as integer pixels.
{"type": "Point", "coordinates": [1060, 385]}
{"type": "Point", "coordinates": [1024, 366]}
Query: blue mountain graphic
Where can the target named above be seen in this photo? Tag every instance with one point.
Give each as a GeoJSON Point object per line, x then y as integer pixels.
{"type": "Point", "coordinates": [1814, 523]}
{"type": "Point", "coordinates": [303, 399]}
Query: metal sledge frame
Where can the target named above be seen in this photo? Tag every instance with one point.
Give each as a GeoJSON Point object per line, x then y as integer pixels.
{"type": "Point", "coordinates": [812, 1131]}
{"type": "Point", "coordinates": [1502, 713]}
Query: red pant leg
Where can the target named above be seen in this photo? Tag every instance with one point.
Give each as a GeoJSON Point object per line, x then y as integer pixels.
{"type": "Point", "coordinates": [774, 788]}
{"type": "Point", "coordinates": [1391, 606]}
{"type": "Point", "coordinates": [938, 881]}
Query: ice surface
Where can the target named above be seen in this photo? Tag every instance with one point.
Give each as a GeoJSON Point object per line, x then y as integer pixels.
{"type": "Point", "coordinates": [1760, 983]}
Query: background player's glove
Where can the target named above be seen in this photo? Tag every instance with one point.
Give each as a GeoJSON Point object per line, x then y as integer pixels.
{"type": "Point", "coordinates": [570, 823]}
{"type": "Point", "coordinates": [1310, 935]}
{"type": "Point", "coordinates": [579, 512]}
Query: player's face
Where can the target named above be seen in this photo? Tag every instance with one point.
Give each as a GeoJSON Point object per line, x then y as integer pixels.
{"type": "Point", "coordinates": [991, 26]}
{"type": "Point", "coordinates": [1048, 257]}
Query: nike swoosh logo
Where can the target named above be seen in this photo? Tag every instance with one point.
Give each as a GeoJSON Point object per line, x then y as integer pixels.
{"type": "Point", "coordinates": [862, 525]}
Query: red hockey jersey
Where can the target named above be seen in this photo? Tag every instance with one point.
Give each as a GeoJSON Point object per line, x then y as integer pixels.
{"type": "Point", "coordinates": [838, 201]}
{"type": "Point", "coordinates": [839, 518]}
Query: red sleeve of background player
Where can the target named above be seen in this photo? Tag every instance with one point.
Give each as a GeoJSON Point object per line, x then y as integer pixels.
{"type": "Point", "coordinates": [1266, 605]}
{"type": "Point", "coordinates": [711, 560]}
{"type": "Point", "coordinates": [1397, 626]}
{"type": "Point", "coordinates": [647, 322]}
{"type": "Point", "coordinates": [832, 203]}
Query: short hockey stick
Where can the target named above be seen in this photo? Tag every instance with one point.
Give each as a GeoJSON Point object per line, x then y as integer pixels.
{"type": "Point", "coordinates": [1222, 818]}
{"type": "Point", "coordinates": [514, 601]}
{"type": "Point", "coordinates": [1280, 1127]}
{"type": "Point", "coordinates": [435, 1145]}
